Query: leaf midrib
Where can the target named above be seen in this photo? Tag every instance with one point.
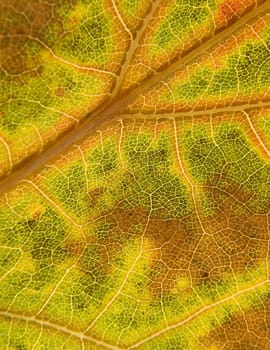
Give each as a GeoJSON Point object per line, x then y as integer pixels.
{"type": "Point", "coordinates": [111, 109]}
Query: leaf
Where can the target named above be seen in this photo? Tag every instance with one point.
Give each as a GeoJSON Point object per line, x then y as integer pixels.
{"type": "Point", "coordinates": [135, 175]}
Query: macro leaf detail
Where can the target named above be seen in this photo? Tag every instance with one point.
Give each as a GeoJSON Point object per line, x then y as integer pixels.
{"type": "Point", "coordinates": [135, 174]}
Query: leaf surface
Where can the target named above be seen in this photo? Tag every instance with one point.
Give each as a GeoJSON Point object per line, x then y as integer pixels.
{"type": "Point", "coordinates": [135, 175]}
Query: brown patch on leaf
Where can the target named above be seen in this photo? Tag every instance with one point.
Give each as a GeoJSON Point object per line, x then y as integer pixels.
{"type": "Point", "coordinates": [236, 239]}
{"type": "Point", "coordinates": [60, 92]}
{"type": "Point", "coordinates": [75, 248]}
{"type": "Point", "coordinates": [247, 330]}
{"type": "Point", "coordinates": [230, 240]}
{"type": "Point", "coordinates": [19, 21]}
{"type": "Point", "coordinates": [94, 196]}
{"type": "Point", "coordinates": [173, 241]}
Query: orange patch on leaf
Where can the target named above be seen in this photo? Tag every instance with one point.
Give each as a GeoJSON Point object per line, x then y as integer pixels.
{"type": "Point", "coordinates": [231, 9]}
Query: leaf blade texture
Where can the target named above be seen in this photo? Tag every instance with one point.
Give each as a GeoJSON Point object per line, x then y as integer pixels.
{"type": "Point", "coordinates": [134, 150]}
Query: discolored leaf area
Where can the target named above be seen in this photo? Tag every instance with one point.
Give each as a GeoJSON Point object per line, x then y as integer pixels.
{"type": "Point", "coordinates": [135, 174]}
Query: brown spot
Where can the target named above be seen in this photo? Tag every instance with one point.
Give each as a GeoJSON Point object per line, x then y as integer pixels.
{"type": "Point", "coordinates": [60, 92]}
{"type": "Point", "coordinates": [36, 210]}
{"type": "Point", "coordinates": [37, 215]}
{"type": "Point", "coordinates": [94, 196]}
{"type": "Point", "coordinates": [75, 248]}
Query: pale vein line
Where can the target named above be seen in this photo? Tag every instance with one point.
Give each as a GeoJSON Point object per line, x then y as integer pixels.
{"type": "Point", "coordinates": [216, 242]}
{"type": "Point", "coordinates": [196, 314]}
{"type": "Point", "coordinates": [86, 180]}
{"type": "Point", "coordinates": [53, 291]}
{"type": "Point", "coordinates": [13, 268]}
{"type": "Point", "coordinates": [200, 112]}
{"type": "Point", "coordinates": [9, 332]}
{"type": "Point", "coordinates": [120, 143]}
{"type": "Point", "coordinates": [192, 187]}
{"type": "Point", "coordinates": [133, 47]}
{"type": "Point", "coordinates": [115, 296]}
{"type": "Point", "coordinates": [12, 208]}
{"type": "Point", "coordinates": [212, 130]}
{"type": "Point", "coordinates": [172, 94]}
{"type": "Point", "coordinates": [39, 136]}
{"type": "Point", "coordinates": [268, 248]}
{"type": "Point", "coordinates": [118, 292]}
{"type": "Point", "coordinates": [180, 163]}
{"type": "Point", "coordinates": [8, 153]}
{"type": "Point", "coordinates": [59, 328]}
{"type": "Point", "coordinates": [38, 338]}
{"type": "Point", "coordinates": [121, 19]}
{"type": "Point", "coordinates": [243, 315]}
{"type": "Point", "coordinates": [85, 168]}
{"type": "Point", "coordinates": [51, 109]}
{"type": "Point", "coordinates": [51, 201]}
{"type": "Point", "coordinates": [72, 64]}
{"type": "Point", "coordinates": [83, 347]}
{"type": "Point", "coordinates": [256, 134]}
{"type": "Point", "coordinates": [122, 285]}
